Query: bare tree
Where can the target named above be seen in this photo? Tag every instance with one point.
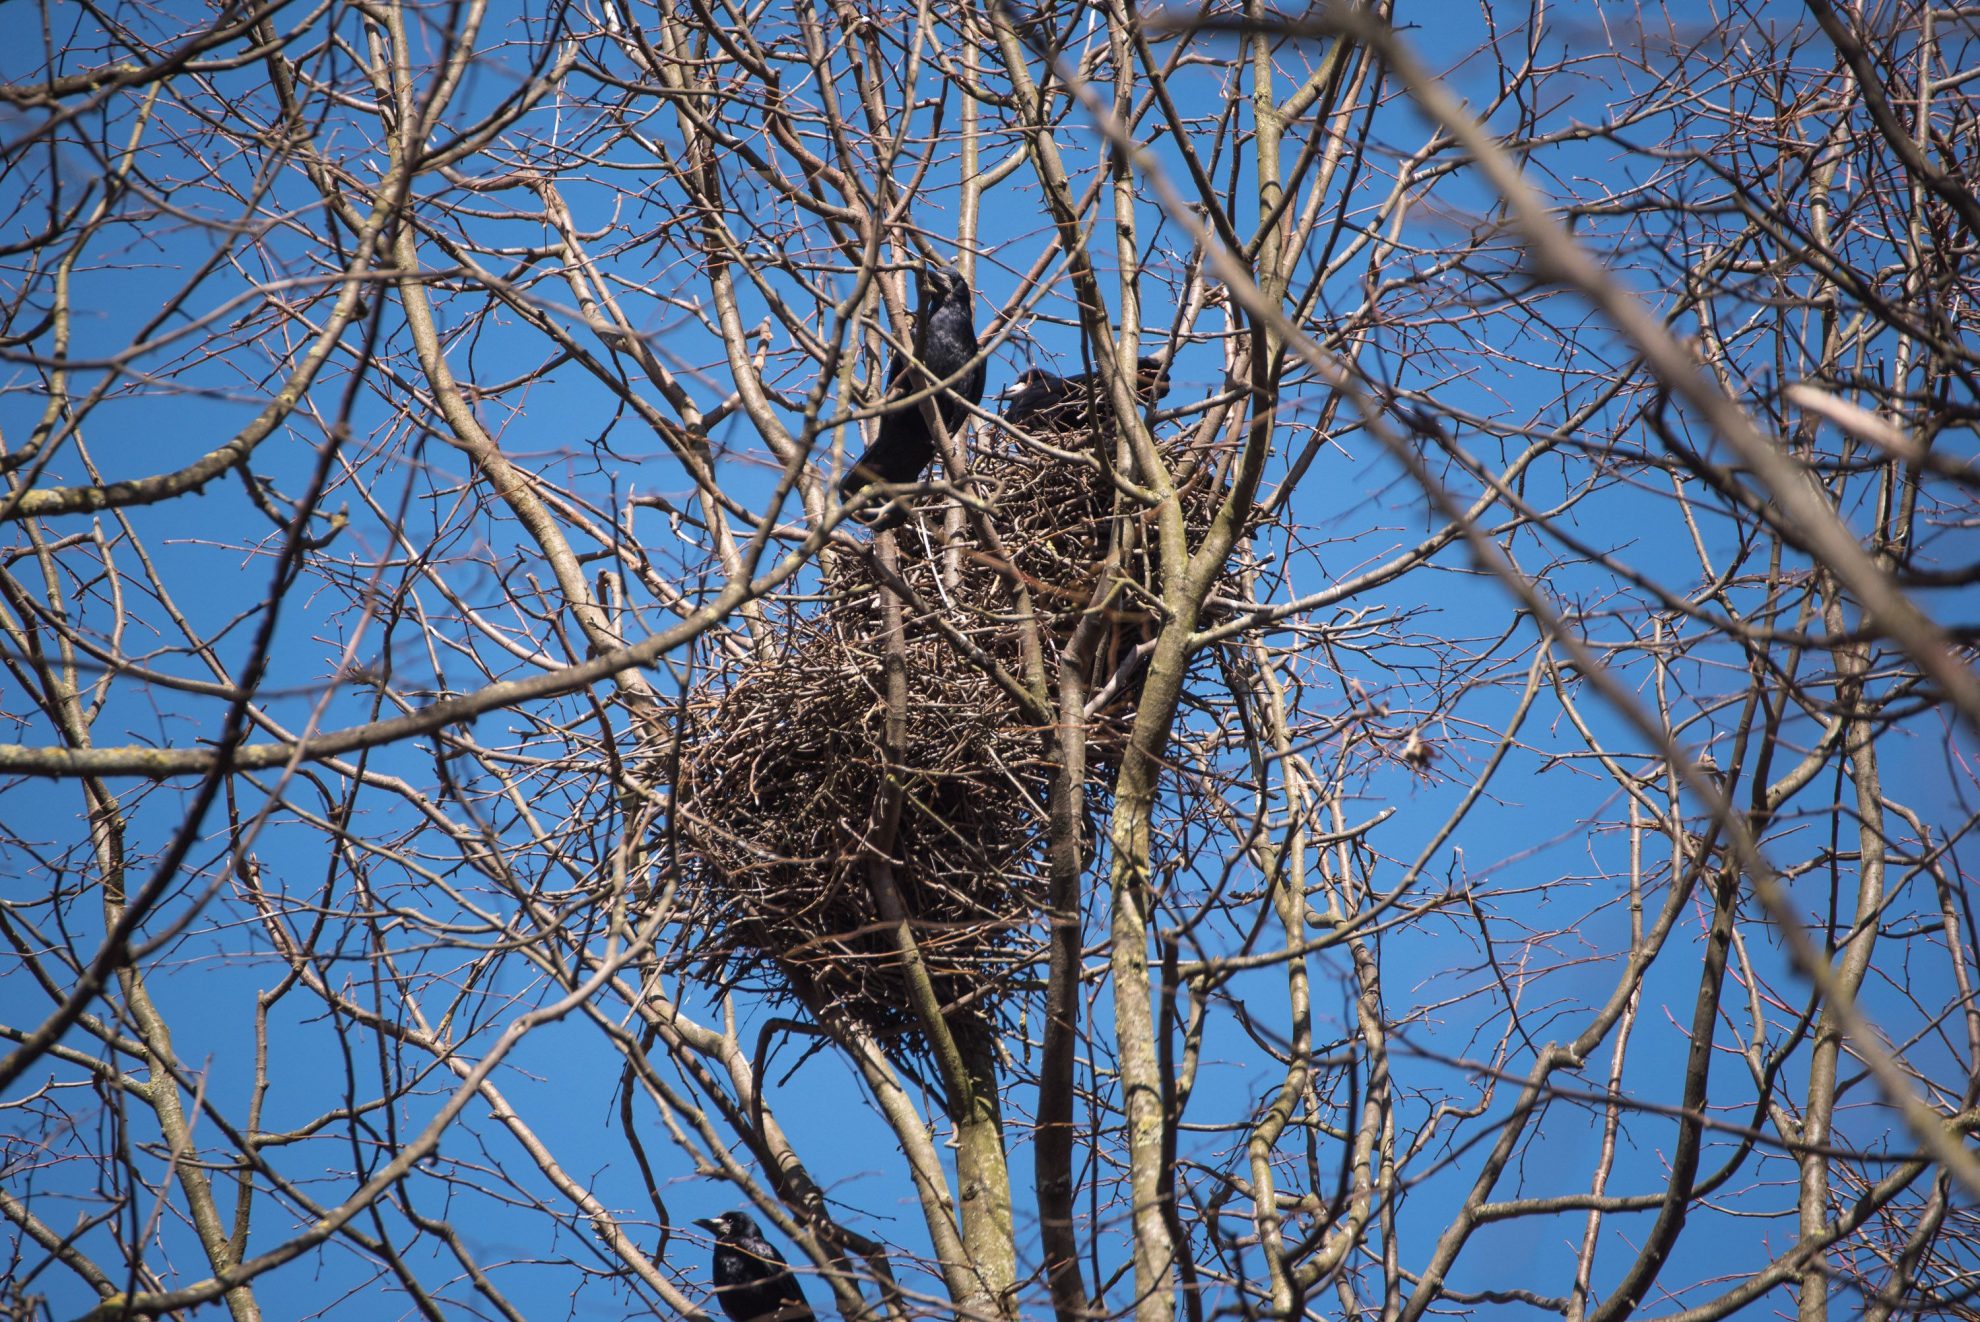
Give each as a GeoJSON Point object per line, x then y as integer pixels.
{"type": "Point", "coordinates": [1431, 780]}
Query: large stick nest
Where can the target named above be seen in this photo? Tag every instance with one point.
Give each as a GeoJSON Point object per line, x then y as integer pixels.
{"type": "Point", "coordinates": [783, 776]}
{"type": "Point", "coordinates": [1052, 525]}
{"type": "Point", "coordinates": [785, 763]}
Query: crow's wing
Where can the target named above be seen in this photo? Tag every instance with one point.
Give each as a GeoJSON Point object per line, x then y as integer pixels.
{"type": "Point", "coordinates": [901, 450]}
{"type": "Point", "coordinates": [775, 1295]}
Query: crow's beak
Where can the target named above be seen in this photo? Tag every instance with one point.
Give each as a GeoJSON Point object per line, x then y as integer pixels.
{"type": "Point", "coordinates": [1013, 390]}
{"type": "Point", "coordinates": [949, 275]}
{"type": "Point", "coordinates": [708, 1224]}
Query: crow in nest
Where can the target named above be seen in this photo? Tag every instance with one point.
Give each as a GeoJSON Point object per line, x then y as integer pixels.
{"type": "Point", "coordinates": [944, 341]}
{"type": "Point", "coordinates": [751, 1281]}
{"type": "Point", "coordinates": [1049, 404]}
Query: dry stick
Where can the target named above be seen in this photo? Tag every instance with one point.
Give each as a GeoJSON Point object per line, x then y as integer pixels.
{"type": "Point", "coordinates": [116, 950]}
{"type": "Point", "coordinates": [1852, 662]}
{"type": "Point", "coordinates": [160, 1091]}
{"type": "Point", "coordinates": [1288, 882]}
{"type": "Point", "coordinates": [1642, 1274]}
{"type": "Point", "coordinates": [1796, 1260]}
{"type": "Point", "coordinates": [1612, 1110]}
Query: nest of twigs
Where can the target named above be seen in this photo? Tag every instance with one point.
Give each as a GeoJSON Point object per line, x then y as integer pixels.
{"type": "Point", "coordinates": [785, 781]}
{"type": "Point", "coordinates": [787, 770]}
{"type": "Point", "coordinates": [1052, 525]}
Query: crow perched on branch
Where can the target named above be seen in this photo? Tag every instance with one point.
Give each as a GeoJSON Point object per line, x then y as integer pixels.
{"type": "Point", "coordinates": [1049, 404]}
{"type": "Point", "coordinates": [944, 342]}
{"type": "Point", "coordinates": [751, 1281]}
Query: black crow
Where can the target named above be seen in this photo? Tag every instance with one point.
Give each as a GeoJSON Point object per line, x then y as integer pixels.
{"type": "Point", "coordinates": [944, 341]}
{"type": "Point", "coordinates": [1049, 404]}
{"type": "Point", "coordinates": [751, 1281]}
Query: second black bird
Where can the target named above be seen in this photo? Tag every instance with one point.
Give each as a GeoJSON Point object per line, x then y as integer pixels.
{"type": "Point", "coordinates": [1049, 404]}
{"type": "Point", "coordinates": [752, 1282]}
{"type": "Point", "coordinates": [944, 342]}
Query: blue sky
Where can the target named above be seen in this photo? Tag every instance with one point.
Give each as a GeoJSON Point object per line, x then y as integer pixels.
{"type": "Point", "coordinates": [1543, 847]}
